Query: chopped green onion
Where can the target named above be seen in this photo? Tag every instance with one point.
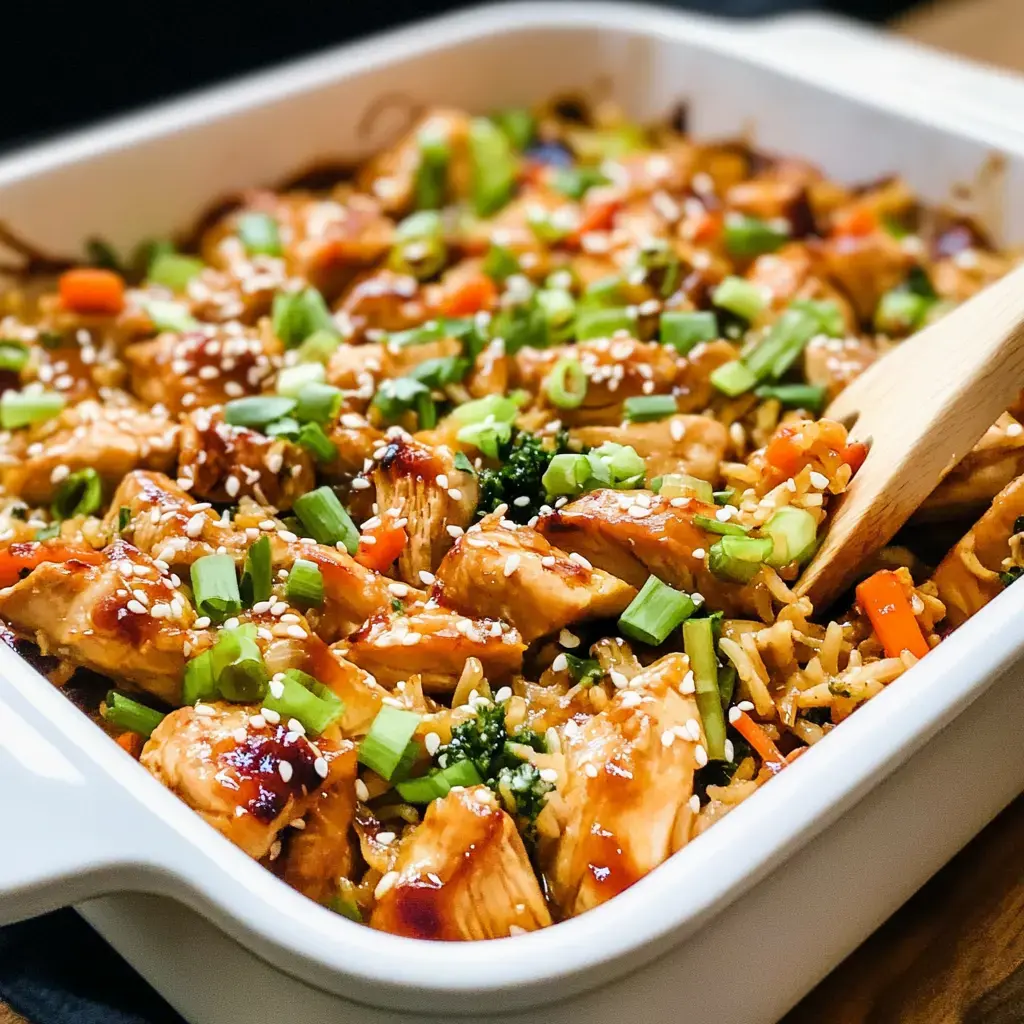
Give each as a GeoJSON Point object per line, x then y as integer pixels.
{"type": "Point", "coordinates": [617, 465]}
{"type": "Point", "coordinates": [585, 671]}
{"type": "Point", "coordinates": [726, 529]}
{"type": "Point", "coordinates": [431, 182]}
{"type": "Point", "coordinates": [740, 297]}
{"type": "Point", "coordinates": [549, 226]}
{"type": "Point", "coordinates": [297, 315]}
{"type": "Point", "coordinates": [257, 410]}
{"type": "Point", "coordinates": [23, 408]}
{"type": "Point", "coordinates": [385, 747]}
{"type": "Point", "coordinates": [566, 475]}
{"type": "Point", "coordinates": [170, 316]}
{"type": "Point", "coordinates": [174, 271]}
{"type": "Point", "coordinates": [655, 612]}
{"type": "Point", "coordinates": [575, 182]}
{"type": "Point", "coordinates": [257, 579]}
{"type": "Point", "coordinates": [463, 464]}
{"type": "Point", "coordinates": [794, 535]}
{"type": "Point", "coordinates": [500, 263]}
{"type": "Point", "coordinates": [79, 494]}
{"type": "Point", "coordinates": [345, 908]}
{"type": "Point", "coordinates": [317, 403]}
{"type": "Point", "coordinates": [559, 309]}
{"type": "Point", "coordinates": [750, 236]}
{"type": "Point", "coordinates": [238, 665]}
{"type": "Point", "coordinates": [326, 519]}
{"type": "Point", "coordinates": [901, 312]}
{"type": "Point", "coordinates": [318, 347]}
{"type": "Point", "coordinates": [284, 427]}
{"type": "Point", "coordinates": [316, 442]}
{"type": "Point", "coordinates": [493, 166]}
{"type": "Point", "coordinates": [773, 355]}
{"type": "Point", "coordinates": [685, 330]}
{"type": "Point", "coordinates": [13, 355]}
{"type": "Point", "coordinates": [660, 265]}
{"type": "Point", "coordinates": [826, 312]}
{"type": "Point", "coordinates": [518, 124]}
{"type": "Point", "coordinates": [699, 644]}
{"type": "Point", "coordinates": [305, 583]}
{"type": "Point", "coordinates": [199, 684]}
{"type": "Point", "coordinates": [733, 378]}
{"type": "Point", "coordinates": [419, 245]}
{"type": "Point", "coordinates": [124, 517]}
{"type": "Point", "coordinates": [738, 559]}
{"type": "Point", "coordinates": [259, 234]}
{"type": "Point", "coordinates": [437, 785]}
{"type": "Point", "coordinates": [124, 713]}
{"type": "Point", "coordinates": [503, 408]}
{"type": "Point", "coordinates": [521, 326]}
{"type": "Point", "coordinates": [48, 532]}
{"type": "Point", "coordinates": [215, 587]}
{"type": "Point", "coordinates": [725, 497]}
{"type": "Point", "coordinates": [487, 437]}
{"type": "Point", "coordinates": [646, 408]}
{"type": "Point", "coordinates": [681, 485]}
{"type": "Point", "coordinates": [440, 372]}
{"type": "Point", "coordinates": [605, 291]}
{"type": "Point", "coordinates": [603, 323]}
{"type": "Point", "coordinates": [566, 385]}
{"type": "Point", "coordinates": [399, 395]}
{"type": "Point", "coordinates": [292, 379]}
{"type": "Point", "coordinates": [300, 696]}
{"type": "Point", "coordinates": [795, 396]}
{"type": "Point", "coordinates": [100, 253]}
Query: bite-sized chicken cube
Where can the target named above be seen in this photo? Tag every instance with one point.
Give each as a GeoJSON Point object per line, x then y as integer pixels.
{"type": "Point", "coordinates": [245, 776]}
{"type": "Point", "coordinates": [793, 273]}
{"type": "Point", "coordinates": [206, 366]}
{"type": "Point", "coordinates": [833, 363]}
{"type": "Point", "coordinates": [322, 851]}
{"type": "Point", "coordinates": [694, 390]}
{"type": "Point", "coordinates": [383, 300]}
{"type": "Point", "coordinates": [423, 485]}
{"type": "Point", "coordinates": [243, 291]}
{"type": "Point", "coordinates": [355, 440]}
{"type": "Point", "coordinates": [226, 462]}
{"type": "Point", "coordinates": [773, 199]}
{"type": "Point", "coordinates": [630, 778]}
{"type": "Point", "coordinates": [510, 572]}
{"type": "Point", "coordinates": [864, 267]}
{"type": "Point", "coordinates": [633, 534]}
{"type": "Point", "coordinates": [968, 577]}
{"type": "Point", "coordinates": [123, 617]}
{"type": "Point", "coordinates": [434, 643]}
{"type": "Point", "coordinates": [113, 438]}
{"type": "Point", "coordinates": [358, 369]}
{"type": "Point", "coordinates": [462, 874]}
{"type": "Point", "coordinates": [679, 444]}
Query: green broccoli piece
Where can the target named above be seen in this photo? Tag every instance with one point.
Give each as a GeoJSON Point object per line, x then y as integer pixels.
{"type": "Point", "coordinates": [530, 738]}
{"type": "Point", "coordinates": [480, 739]}
{"type": "Point", "coordinates": [525, 460]}
{"type": "Point", "coordinates": [528, 790]}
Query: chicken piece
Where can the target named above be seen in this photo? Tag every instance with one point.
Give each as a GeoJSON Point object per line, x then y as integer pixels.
{"type": "Point", "coordinates": [792, 273]}
{"type": "Point", "coordinates": [322, 851]}
{"type": "Point", "coordinates": [113, 438]}
{"type": "Point", "coordinates": [616, 369]}
{"type": "Point", "coordinates": [833, 363]}
{"type": "Point", "coordinates": [423, 486]}
{"type": "Point", "coordinates": [627, 799]}
{"type": "Point", "coordinates": [435, 643]}
{"type": "Point", "coordinates": [123, 618]}
{"type": "Point", "coordinates": [206, 366]}
{"type": "Point", "coordinates": [383, 300]}
{"type": "Point", "coordinates": [360, 368]}
{"type": "Point", "coordinates": [864, 267]}
{"type": "Point", "coordinates": [462, 874]}
{"type": "Point", "coordinates": [225, 463]}
{"type": "Point", "coordinates": [617, 532]}
{"type": "Point", "coordinates": [509, 572]}
{"type": "Point", "coordinates": [773, 198]}
{"type": "Point", "coordinates": [679, 444]}
{"type": "Point", "coordinates": [235, 774]}
{"type": "Point", "coordinates": [968, 577]}
{"type": "Point", "coordinates": [694, 389]}
{"type": "Point", "coordinates": [355, 440]}
{"type": "Point", "coordinates": [961, 276]}
{"type": "Point", "coordinates": [244, 290]}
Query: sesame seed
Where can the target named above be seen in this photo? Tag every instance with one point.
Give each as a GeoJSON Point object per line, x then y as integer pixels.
{"type": "Point", "coordinates": [203, 622]}
{"type": "Point", "coordinates": [442, 481]}
{"type": "Point", "coordinates": [386, 883]}
{"type": "Point", "coordinates": [284, 769]}
{"type": "Point", "coordinates": [432, 741]}
{"type": "Point", "coordinates": [287, 536]}
{"type": "Point", "coordinates": [257, 721]}
{"type": "Point", "coordinates": [296, 632]}
{"type": "Point", "coordinates": [272, 716]}
{"type": "Point", "coordinates": [511, 564]}
{"type": "Point", "coordinates": [694, 803]}
{"type": "Point", "coordinates": [240, 735]}
{"type": "Point", "coordinates": [503, 694]}
{"type": "Point", "coordinates": [455, 494]}
{"type": "Point", "coordinates": [362, 793]}
{"type": "Point", "coordinates": [205, 711]}
{"type": "Point", "coordinates": [819, 480]}
{"type": "Point", "coordinates": [135, 606]}
{"type": "Point", "coordinates": [426, 578]}
{"type": "Point", "coordinates": [668, 737]}
{"type": "Point", "coordinates": [548, 561]}
{"type": "Point", "coordinates": [398, 589]}
{"type": "Point", "coordinates": [745, 705]}
{"type": "Point", "coordinates": [295, 726]}
{"type": "Point", "coordinates": [320, 767]}
{"type": "Point", "coordinates": [1014, 430]}
{"type": "Point", "coordinates": [411, 639]}
{"type": "Point", "coordinates": [700, 755]}
{"type": "Point", "coordinates": [688, 685]}
{"type": "Point", "coordinates": [730, 750]}
{"type": "Point", "coordinates": [231, 623]}
{"type": "Point", "coordinates": [699, 552]}
{"type": "Point", "coordinates": [278, 609]}
{"type": "Point", "coordinates": [619, 681]}
{"type": "Point", "coordinates": [723, 515]}
{"type": "Point", "coordinates": [522, 501]}
{"type": "Point", "coordinates": [576, 557]}
{"type": "Point", "coordinates": [567, 639]}
{"type": "Point", "coordinates": [386, 838]}
{"type": "Point", "coordinates": [454, 531]}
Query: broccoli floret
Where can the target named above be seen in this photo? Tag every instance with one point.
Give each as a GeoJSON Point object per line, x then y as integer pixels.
{"type": "Point", "coordinates": [480, 739]}
{"type": "Point", "coordinates": [1011, 575]}
{"type": "Point", "coordinates": [529, 738]}
{"type": "Point", "coordinates": [528, 791]}
{"type": "Point", "coordinates": [525, 460]}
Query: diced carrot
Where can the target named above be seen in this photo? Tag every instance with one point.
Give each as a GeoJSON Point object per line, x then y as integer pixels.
{"type": "Point", "coordinates": [762, 743]}
{"type": "Point", "coordinates": [884, 601]}
{"type": "Point", "coordinates": [707, 227]}
{"type": "Point", "coordinates": [855, 454]}
{"type": "Point", "coordinates": [598, 216]}
{"type": "Point", "coordinates": [783, 453]}
{"type": "Point", "coordinates": [470, 296]}
{"type": "Point", "coordinates": [92, 290]}
{"type": "Point", "coordinates": [22, 558]}
{"type": "Point", "coordinates": [857, 222]}
{"type": "Point", "coordinates": [132, 743]}
{"type": "Point", "coordinates": [379, 547]}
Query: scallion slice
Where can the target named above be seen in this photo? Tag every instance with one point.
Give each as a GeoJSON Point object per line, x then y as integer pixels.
{"type": "Point", "coordinates": [317, 403]}
{"type": "Point", "coordinates": [385, 747]}
{"type": "Point", "coordinates": [655, 612]}
{"type": "Point", "coordinates": [500, 263]}
{"type": "Point", "coordinates": [738, 559]}
{"type": "Point", "coordinates": [323, 515]}
{"type": "Point", "coordinates": [215, 587]}
{"type": "Point", "coordinates": [826, 312]}
{"type": "Point", "coordinates": [726, 529]}
{"type": "Point", "coordinates": [566, 475]}
{"type": "Point", "coordinates": [318, 347]}
{"type": "Point", "coordinates": [398, 396]}
{"type": "Point", "coordinates": [489, 438]}
{"type": "Point", "coordinates": [292, 379]}
{"type": "Point", "coordinates": [13, 355]}
{"type": "Point", "coordinates": [559, 309]}
{"type": "Point", "coordinates": [199, 683]}
{"type": "Point", "coordinates": [312, 437]}
{"type": "Point", "coordinates": [79, 494]}
{"type": "Point", "coordinates": [566, 385]}
{"type": "Point", "coordinates": [431, 181]}
{"type": "Point", "coordinates": [503, 408]}
{"type": "Point", "coordinates": [305, 699]}
{"type": "Point", "coordinates": [795, 396]}
{"type": "Point", "coordinates": [682, 485]}
{"type": "Point", "coordinates": [741, 297]}
{"type": "Point", "coordinates": [257, 410]}
{"type": "Point", "coordinates": [773, 355]}
{"type": "Point", "coordinates": [794, 534]}
{"type": "Point", "coordinates": [305, 583]}
{"type": "Point", "coordinates": [493, 167]}
{"type": "Point", "coordinates": [173, 270]}
{"type": "Point", "coordinates": [260, 234]}
{"type": "Point", "coordinates": [576, 182]}
{"type": "Point", "coordinates": [617, 465]}
{"type": "Point", "coordinates": [297, 315]}
{"type": "Point", "coordinates": [170, 316]}
{"type": "Point", "coordinates": [685, 330]}
{"type": "Point", "coordinates": [604, 322]}
{"type": "Point", "coordinates": [647, 408]}
{"type": "Point", "coordinates": [438, 784]}
{"type": "Point", "coordinates": [699, 644]}
{"type": "Point", "coordinates": [23, 408]}
{"type": "Point", "coordinates": [257, 573]}
{"type": "Point", "coordinates": [901, 312]}
{"type": "Point", "coordinates": [238, 665]}
{"type": "Point", "coordinates": [733, 378]}
{"type": "Point", "coordinates": [518, 124]}
{"type": "Point", "coordinates": [750, 236]}
{"type": "Point", "coordinates": [285, 427]}
{"type": "Point", "coordinates": [124, 713]}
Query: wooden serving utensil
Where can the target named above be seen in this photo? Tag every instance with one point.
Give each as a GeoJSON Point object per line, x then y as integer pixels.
{"type": "Point", "coordinates": [921, 409]}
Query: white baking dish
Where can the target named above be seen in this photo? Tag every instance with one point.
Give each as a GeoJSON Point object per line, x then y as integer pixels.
{"type": "Point", "coordinates": [818, 858]}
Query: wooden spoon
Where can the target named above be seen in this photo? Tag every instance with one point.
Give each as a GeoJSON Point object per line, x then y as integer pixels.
{"type": "Point", "coordinates": [921, 409]}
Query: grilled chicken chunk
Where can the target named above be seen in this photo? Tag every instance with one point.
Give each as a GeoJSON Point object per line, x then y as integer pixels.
{"type": "Point", "coordinates": [355, 441]}
{"type": "Point", "coordinates": [864, 268]}
{"type": "Point", "coordinates": [968, 577]}
{"type": "Point", "coordinates": [383, 300]}
{"type": "Point", "coordinates": [434, 643]}
{"type": "Point", "coordinates": [426, 489]}
{"type": "Point", "coordinates": [323, 850]}
{"type": "Point", "coordinates": [510, 572]}
{"type": "Point", "coordinates": [206, 366]}
{"type": "Point", "coordinates": [462, 874]}
{"type": "Point", "coordinates": [110, 438]}
{"type": "Point", "coordinates": [633, 534]}
{"type": "Point", "coordinates": [123, 618]}
{"type": "Point", "coordinates": [679, 444]}
{"type": "Point", "coordinates": [225, 463]}
{"type": "Point", "coordinates": [246, 777]}
{"type": "Point", "coordinates": [833, 363]}
{"type": "Point", "coordinates": [630, 778]}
